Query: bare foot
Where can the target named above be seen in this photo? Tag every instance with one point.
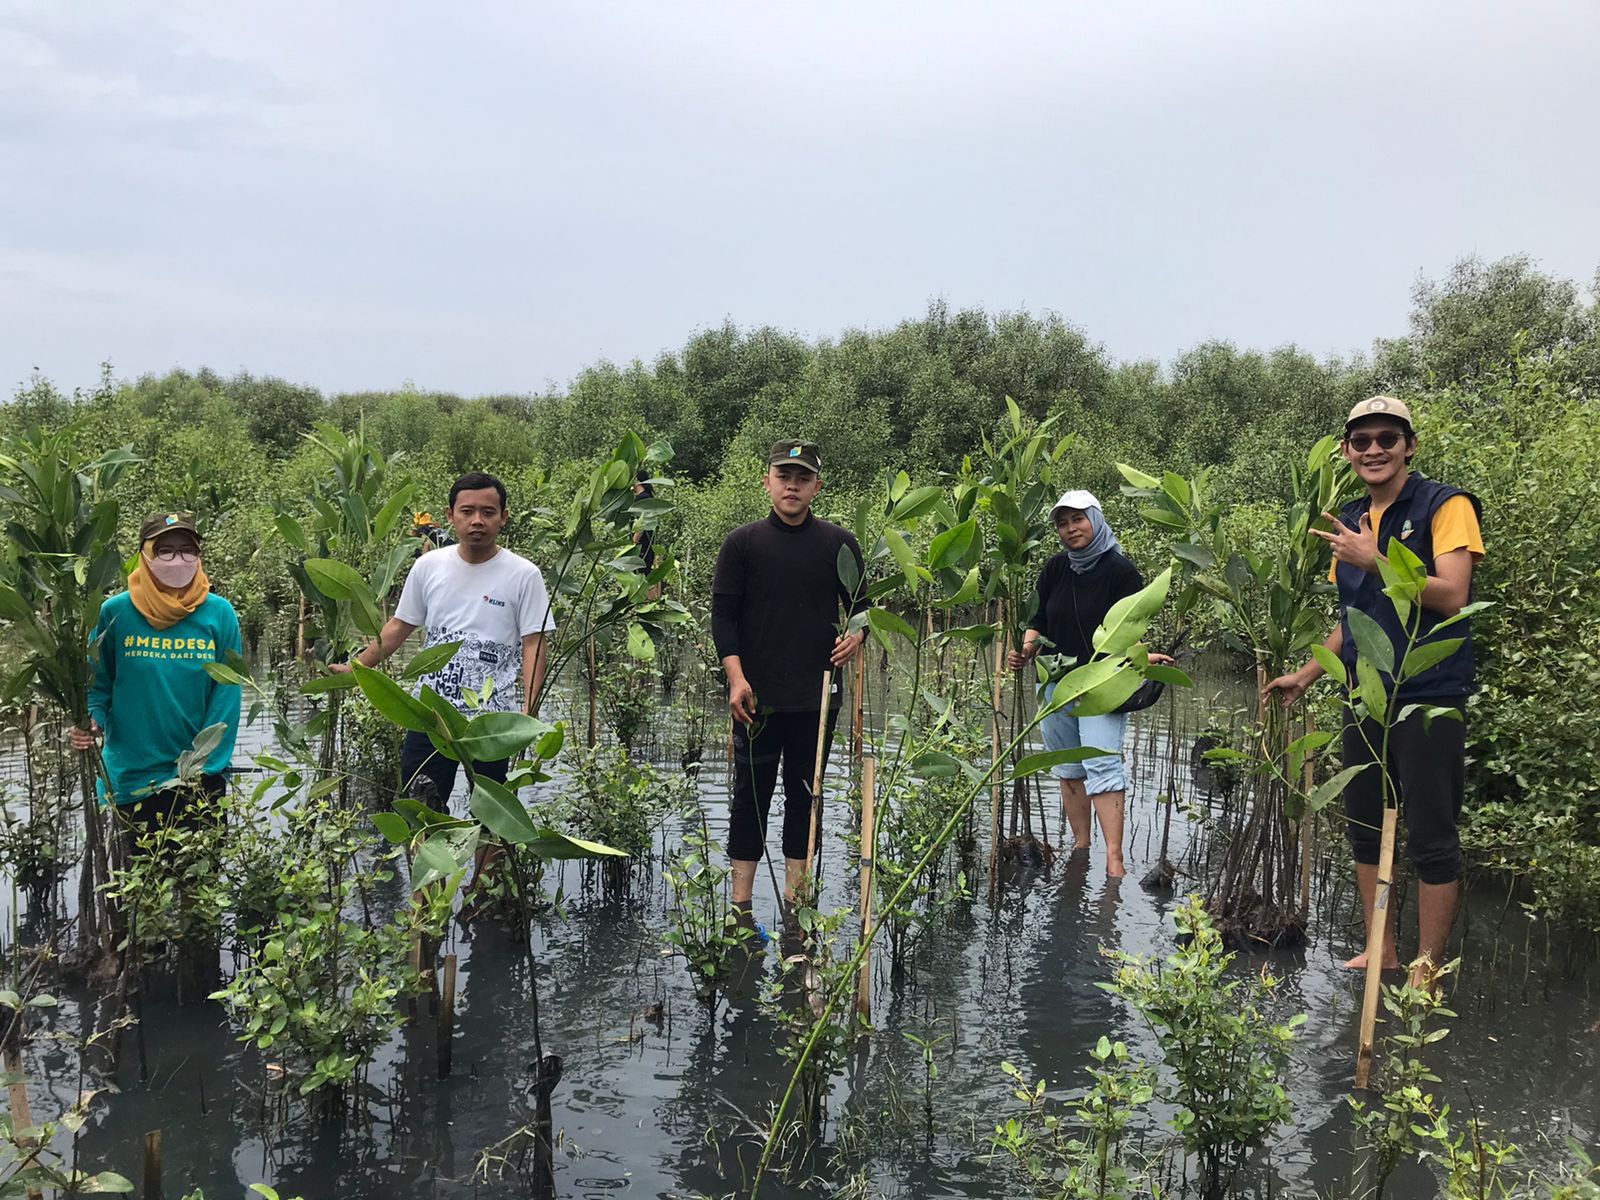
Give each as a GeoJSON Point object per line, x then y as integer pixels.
{"type": "Point", "coordinates": [1359, 962]}
{"type": "Point", "coordinates": [1115, 869]}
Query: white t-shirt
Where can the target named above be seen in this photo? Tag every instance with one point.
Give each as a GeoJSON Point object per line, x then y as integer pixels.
{"type": "Point", "coordinates": [489, 608]}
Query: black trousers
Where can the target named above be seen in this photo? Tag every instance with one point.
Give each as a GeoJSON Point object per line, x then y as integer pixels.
{"type": "Point", "coordinates": [791, 738]}
{"type": "Point", "coordinates": [1427, 767]}
{"type": "Point", "coordinates": [430, 777]}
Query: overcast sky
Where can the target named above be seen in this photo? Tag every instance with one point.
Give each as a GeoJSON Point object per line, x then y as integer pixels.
{"type": "Point", "coordinates": [487, 197]}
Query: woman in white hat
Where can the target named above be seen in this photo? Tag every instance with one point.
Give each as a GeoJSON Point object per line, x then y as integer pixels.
{"type": "Point", "coordinates": [1075, 591]}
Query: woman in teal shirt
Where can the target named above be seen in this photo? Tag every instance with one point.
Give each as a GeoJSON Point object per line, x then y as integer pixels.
{"type": "Point", "coordinates": [151, 693]}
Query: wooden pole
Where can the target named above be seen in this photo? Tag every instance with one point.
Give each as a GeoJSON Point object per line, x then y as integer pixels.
{"type": "Point", "coordinates": [858, 720]}
{"type": "Point", "coordinates": [152, 1165]}
{"type": "Point", "coordinates": [21, 1110]}
{"type": "Point", "coordinates": [447, 1017]}
{"type": "Point", "coordinates": [994, 757]}
{"type": "Point", "coordinates": [869, 848]}
{"type": "Point", "coordinates": [1380, 919]}
{"type": "Point", "coordinates": [300, 631]}
{"type": "Point", "coordinates": [1307, 826]}
{"type": "Point", "coordinates": [594, 679]}
{"type": "Point", "coordinates": [414, 956]}
{"type": "Point", "coordinates": [816, 775]}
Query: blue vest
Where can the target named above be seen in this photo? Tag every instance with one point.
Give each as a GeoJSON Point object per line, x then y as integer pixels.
{"type": "Point", "coordinates": [1409, 518]}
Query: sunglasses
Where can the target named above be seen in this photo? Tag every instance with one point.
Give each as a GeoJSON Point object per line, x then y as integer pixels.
{"type": "Point", "coordinates": [1388, 440]}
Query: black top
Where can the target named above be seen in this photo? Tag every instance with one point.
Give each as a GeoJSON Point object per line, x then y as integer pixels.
{"type": "Point", "coordinates": [1071, 606]}
{"type": "Point", "coordinates": [775, 603]}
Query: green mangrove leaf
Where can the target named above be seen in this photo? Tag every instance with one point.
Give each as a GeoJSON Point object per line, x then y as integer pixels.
{"type": "Point", "coordinates": [640, 646]}
{"type": "Point", "coordinates": [1330, 790]}
{"type": "Point", "coordinates": [329, 683]}
{"type": "Point", "coordinates": [430, 659]}
{"type": "Point", "coordinates": [549, 844]}
{"type": "Point", "coordinates": [1372, 643]}
{"type": "Point", "coordinates": [882, 622]}
{"type": "Point", "coordinates": [949, 547]}
{"type": "Point", "coordinates": [502, 813]}
{"type": "Point", "coordinates": [393, 701]}
{"type": "Point", "coordinates": [289, 530]}
{"type": "Point", "coordinates": [492, 736]}
{"type": "Point", "coordinates": [1125, 623]}
{"type": "Point", "coordinates": [1138, 478]}
{"type": "Point", "coordinates": [392, 827]}
{"type": "Point", "coordinates": [849, 570]}
{"type": "Point", "coordinates": [1331, 663]}
{"type": "Point", "coordinates": [1372, 690]}
{"type": "Point", "coordinates": [1035, 763]}
{"type": "Point", "coordinates": [1430, 654]}
{"type": "Point", "coordinates": [334, 579]}
{"type": "Point", "coordinates": [224, 674]}
{"type": "Point", "coordinates": [915, 503]}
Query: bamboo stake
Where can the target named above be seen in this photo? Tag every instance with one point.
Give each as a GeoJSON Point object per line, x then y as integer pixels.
{"type": "Point", "coordinates": [152, 1165]}
{"type": "Point", "coordinates": [300, 631]}
{"type": "Point", "coordinates": [994, 757]}
{"type": "Point", "coordinates": [447, 1017]}
{"type": "Point", "coordinates": [21, 1110]}
{"type": "Point", "coordinates": [1307, 826]}
{"type": "Point", "coordinates": [858, 722]}
{"type": "Point", "coordinates": [594, 679]}
{"type": "Point", "coordinates": [816, 775]}
{"type": "Point", "coordinates": [414, 957]}
{"type": "Point", "coordinates": [869, 850]}
{"type": "Point", "coordinates": [1380, 918]}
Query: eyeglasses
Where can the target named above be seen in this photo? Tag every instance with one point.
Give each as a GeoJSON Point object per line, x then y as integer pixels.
{"type": "Point", "coordinates": [183, 554]}
{"type": "Point", "coordinates": [1388, 440]}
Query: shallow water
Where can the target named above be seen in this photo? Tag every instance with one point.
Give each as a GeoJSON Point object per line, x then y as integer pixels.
{"type": "Point", "coordinates": [648, 1111]}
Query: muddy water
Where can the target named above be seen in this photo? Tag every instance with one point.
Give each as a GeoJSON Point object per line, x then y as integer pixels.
{"type": "Point", "coordinates": [666, 1110]}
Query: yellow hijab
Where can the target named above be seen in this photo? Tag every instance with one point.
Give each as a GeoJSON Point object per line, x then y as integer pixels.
{"type": "Point", "coordinates": [164, 609]}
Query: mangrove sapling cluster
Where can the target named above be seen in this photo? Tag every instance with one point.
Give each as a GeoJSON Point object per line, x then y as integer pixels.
{"type": "Point", "coordinates": [913, 808]}
{"type": "Point", "coordinates": [1081, 1156]}
{"type": "Point", "coordinates": [1223, 1052]}
{"type": "Point", "coordinates": [1405, 1118]}
{"type": "Point", "coordinates": [59, 564]}
{"type": "Point", "coordinates": [706, 929]}
{"type": "Point", "coordinates": [1275, 609]}
{"type": "Point", "coordinates": [352, 552]}
{"type": "Point", "coordinates": [1015, 496]}
{"type": "Point", "coordinates": [31, 1158]}
{"type": "Point", "coordinates": [621, 800]}
{"type": "Point", "coordinates": [320, 989]}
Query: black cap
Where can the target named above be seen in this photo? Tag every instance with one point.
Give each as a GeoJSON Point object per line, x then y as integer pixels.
{"type": "Point", "coordinates": [804, 454]}
{"type": "Point", "coordinates": [168, 522]}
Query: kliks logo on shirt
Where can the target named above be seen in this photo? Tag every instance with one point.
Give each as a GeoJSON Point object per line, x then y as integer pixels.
{"type": "Point", "coordinates": [493, 601]}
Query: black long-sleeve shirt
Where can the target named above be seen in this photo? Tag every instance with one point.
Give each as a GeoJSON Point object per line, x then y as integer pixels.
{"type": "Point", "coordinates": [776, 600]}
{"type": "Point", "coordinates": [1071, 606]}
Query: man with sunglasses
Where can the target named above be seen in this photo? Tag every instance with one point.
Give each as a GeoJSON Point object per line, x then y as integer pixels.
{"type": "Point", "coordinates": [1426, 759]}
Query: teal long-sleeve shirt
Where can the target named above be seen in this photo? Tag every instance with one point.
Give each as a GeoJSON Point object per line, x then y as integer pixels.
{"type": "Point", "coordinates": [152, 695]}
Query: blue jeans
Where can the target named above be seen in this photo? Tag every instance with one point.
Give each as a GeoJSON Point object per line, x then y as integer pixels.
{"type": "Point", "coordinates": [1063, 731]}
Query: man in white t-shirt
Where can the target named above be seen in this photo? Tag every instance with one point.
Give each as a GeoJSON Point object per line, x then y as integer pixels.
{"type": "Point", "coordinates": [490, 600]}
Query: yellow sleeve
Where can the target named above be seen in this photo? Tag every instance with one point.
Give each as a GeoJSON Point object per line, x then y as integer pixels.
{"type": "Point", "coordinates": [1455, 527]}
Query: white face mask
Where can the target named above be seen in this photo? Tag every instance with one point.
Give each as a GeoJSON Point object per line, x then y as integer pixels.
{"type": "Point", "coordinates": [174, 573]}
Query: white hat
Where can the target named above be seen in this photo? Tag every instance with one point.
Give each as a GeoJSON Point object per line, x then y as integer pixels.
{"type": "Point", "coordinates": [1079, 499]}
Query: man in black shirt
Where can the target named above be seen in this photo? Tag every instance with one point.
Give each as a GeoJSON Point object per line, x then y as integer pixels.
{"type": "Point", "coordinates": [775, 609]}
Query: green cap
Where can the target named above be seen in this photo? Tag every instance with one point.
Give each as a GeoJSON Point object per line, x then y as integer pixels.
{"type": "Point", "coordinates": [168, 522]}
{"type": "Point", "coordinates": [803, 454]}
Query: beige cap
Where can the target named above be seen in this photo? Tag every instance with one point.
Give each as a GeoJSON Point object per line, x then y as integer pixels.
{"type": "Point", "coordinates": [1379, 406]}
